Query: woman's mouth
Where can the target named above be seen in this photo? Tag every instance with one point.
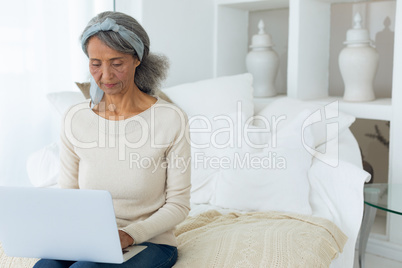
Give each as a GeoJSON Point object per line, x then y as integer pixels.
{"type": "Point", "coordinates": [109, 85]}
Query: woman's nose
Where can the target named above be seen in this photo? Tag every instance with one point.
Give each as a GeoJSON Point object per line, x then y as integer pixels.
{"type": "Point", "coordinates": [107, 72]}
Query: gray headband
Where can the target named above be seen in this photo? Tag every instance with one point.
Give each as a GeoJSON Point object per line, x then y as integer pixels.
{"type": "Point", "coordinates": [111, 25]}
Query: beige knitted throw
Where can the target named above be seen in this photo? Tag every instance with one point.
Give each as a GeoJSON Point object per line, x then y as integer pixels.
{"type": "Point", "coordinates": [12, 262]}
{"type": "Point", "coordinates": [269, 239]}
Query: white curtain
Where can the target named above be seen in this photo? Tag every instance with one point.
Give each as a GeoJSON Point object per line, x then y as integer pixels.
{"type": "Point", "coordinates": [39, 53]}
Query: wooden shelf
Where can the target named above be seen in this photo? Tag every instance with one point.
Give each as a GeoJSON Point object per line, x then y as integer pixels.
{"type": "Point", "coordinates": [254, 5]}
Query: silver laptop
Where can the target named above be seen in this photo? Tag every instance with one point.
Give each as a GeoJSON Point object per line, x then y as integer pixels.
{"type": "Point", "coordinates": [61, 224]}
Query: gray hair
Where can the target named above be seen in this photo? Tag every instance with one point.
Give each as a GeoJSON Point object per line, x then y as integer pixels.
{"type": "Point", "coordinates": [153, 67]}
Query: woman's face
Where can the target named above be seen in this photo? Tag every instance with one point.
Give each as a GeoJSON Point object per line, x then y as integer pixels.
{"type": "Point", "coordinates": [113, 71]}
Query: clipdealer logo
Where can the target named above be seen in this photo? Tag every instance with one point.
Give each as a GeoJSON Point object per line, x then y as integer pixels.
{"type": "Point", "coordinates": [330, 155]}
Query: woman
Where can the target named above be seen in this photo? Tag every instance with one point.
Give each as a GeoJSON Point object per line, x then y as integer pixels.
{"type": "Point", "coordinates": [129, 142]}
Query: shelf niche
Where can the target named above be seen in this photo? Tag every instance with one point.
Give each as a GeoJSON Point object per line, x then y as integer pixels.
{"type": "Point", "coordinates": [308, 34]}
{"type": "Point", "coordinates": [379, 19]}
{"type": "Point", "coordinates": [308, 50]}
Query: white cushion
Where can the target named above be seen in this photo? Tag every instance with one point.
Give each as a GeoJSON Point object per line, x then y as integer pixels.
{"type": "Point", "coordinates": [273, 178]}
{"type": "Point", "coordinates": [337, 194]}
{"type": "Point", "coordinates": [213, 106]}
{"type": "Point", "coordinates": [63, 100]}
{"type": "Point", "coordinates": [302, 131]}
{"type": "Point", "coordinates": [325, 121]}
{"type": "Point", "coordinates": [43, 166]}
{"type": "Point", "coordinates": [214, 97]}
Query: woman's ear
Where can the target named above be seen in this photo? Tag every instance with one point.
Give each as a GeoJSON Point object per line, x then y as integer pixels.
{"type": "Point", "coordinates": [137, 62]}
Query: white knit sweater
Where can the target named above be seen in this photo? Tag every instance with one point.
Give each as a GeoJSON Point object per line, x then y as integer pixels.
{"type": "Point", "coordinates": [143, 161]}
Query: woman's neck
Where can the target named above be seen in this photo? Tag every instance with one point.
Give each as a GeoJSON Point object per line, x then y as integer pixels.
{"type": "Point", "coordinates": [123, 105]}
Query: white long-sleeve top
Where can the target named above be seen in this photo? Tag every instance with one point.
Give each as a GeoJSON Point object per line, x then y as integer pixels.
{"type": "Point", "coordinates": [143, 161]}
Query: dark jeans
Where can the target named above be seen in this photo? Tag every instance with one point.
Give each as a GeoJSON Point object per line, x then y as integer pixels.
{"type": "Point", "coordinates": [154, 256]}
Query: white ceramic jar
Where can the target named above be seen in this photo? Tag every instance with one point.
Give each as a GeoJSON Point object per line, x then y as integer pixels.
{"type": "Point", "coordinates": [263, 63]}
{"type": "Point", "coordinates": [358, 63]}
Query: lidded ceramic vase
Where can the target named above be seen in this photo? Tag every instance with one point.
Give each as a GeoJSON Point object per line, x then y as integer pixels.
{"type": "Point", "coordinates": [358, 63]}
{"type": "Point", "coordinates": [262, 62]}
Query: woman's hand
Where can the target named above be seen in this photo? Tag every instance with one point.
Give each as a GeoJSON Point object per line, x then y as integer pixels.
{"type": "Point", "coordinates": [125, 239]}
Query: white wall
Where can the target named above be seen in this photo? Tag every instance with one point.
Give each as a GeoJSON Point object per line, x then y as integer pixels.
{"type": "Point", "coordinates": [231, 41]}
{"type": "Point", "coordinates": [183, 30]}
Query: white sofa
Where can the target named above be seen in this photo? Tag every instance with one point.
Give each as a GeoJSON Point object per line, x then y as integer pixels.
{"type": "Point", "coordinates": [291, 157]}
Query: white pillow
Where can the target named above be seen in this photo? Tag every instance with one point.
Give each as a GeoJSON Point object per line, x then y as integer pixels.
{"type": "Point", "coordinates": [326, 122]}
{"type": "Point", "coordinates": [337, 195]}
{"type": "Point", "coordinates": [212, 106]}
{"type": "Point", "coordinates": [214, 97]}
{"type": "Point", "coordinates": [43, 166]}
{"type": "Point", "coordinates": [273, 178]}
{"type": "Point", "coordinates": [64, 99]}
